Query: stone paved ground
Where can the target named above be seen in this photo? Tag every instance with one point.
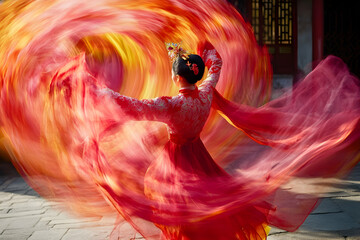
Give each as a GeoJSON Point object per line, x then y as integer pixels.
{"type": "Point", "coordinates": [26, 216]}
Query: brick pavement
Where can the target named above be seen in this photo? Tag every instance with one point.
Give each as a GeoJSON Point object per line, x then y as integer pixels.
{"type": "Point", "coordinates": [24, 215]}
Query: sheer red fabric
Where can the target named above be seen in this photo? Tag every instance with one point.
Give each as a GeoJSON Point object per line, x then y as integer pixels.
{"type": "Point", "coordinates": [313, 131]}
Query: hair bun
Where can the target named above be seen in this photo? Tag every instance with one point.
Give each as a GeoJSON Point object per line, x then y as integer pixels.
{"type": "Point", "coordinates": [191, 67]}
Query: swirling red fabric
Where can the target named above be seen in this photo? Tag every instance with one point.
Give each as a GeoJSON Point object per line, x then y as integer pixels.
{"type": "Point", "coordinates": [89, 153]}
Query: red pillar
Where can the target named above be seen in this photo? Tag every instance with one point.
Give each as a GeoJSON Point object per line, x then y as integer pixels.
{"type": "Point", "coordinates": [317, 30]}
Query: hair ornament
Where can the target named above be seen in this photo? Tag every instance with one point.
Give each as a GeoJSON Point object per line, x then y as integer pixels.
{"type": "Point", "coordinates": [195, 68]}
{"type": "Point", "coordinates": [175, 51]}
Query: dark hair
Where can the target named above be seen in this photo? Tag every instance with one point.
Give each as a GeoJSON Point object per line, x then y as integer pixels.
{"type": "Point", "coordinates": [181, 68]}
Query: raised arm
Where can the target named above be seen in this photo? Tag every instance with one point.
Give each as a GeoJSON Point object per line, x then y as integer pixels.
{"type": "Point", "coordinates": [212, 61]}
{"type": "Point", "coordinates": [156, 109]}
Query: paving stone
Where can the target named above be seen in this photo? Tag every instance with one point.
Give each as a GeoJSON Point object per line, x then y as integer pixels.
{"type": "Point", "coordinates": [42, 223]}
{"type": "Point", "coordinates": [64, 215]}
{"type": "Point", "coordinates": [36, 200]}
{"type": "Point", "coordinates": [5, 206]}
{"type": "Point", "coordinates": [3, 179]}
{"type": "Point", "coordinates": [330, 222]}
{"type": "Point", "coordinates": [32, 192]}
{"type": "Point", "coordinates": [353, 234]}
{"type": "Point", "coordinates": [53, 216]}
{"type": "Point", "coordinates": [127, 232]}
{"type": "Point", "coordinates": [52, 234]}
{"type": "Point", "coordinates": [79, 225]}
{"type": "Point", "coordinates": [336, 194]}
{"type": "Point", "coordinates": [306, 236]}
{"type": "Point", "coordinates": [327, 205]}
{"type": "Point", "coordinates": [17, 184]}
{"type": "Point", "coordinates": [4, 223]}
{"type": "Point", "coordinates": [20, 198]}
{"type": "Point", "coordinates": [22, 222]}
{"type": "Point", "coordinates": [93, 234]}
{"type": "Point", "coordinates": [74, 220]}
{"type": "Point", "coordinates": [275, 230]}
{"type": "Point", "coordinates": [25, 209]}
{"type": "Point", "coordinates": [25, 206]}
{"type": "Point", "coordinates": [18, 192]}
{"type": "Point", "coordinates": [6, 183]}
{"type": "Point", "coordinates": [355, 173]}
{"type": "Point", "coordinates": [18, 236]}
{"type": "Point", "coordinates": [15, 234]}
{"type": "Point", "coordinates": [24, 231]}
{"type": "Point", "coordinates": [50, 204]}
{"type": "Point", "coordinates": [21, 214]}
{"type": "Point", "coordinates": [52, 212]}
{"type": "Point", "coordinates": [351, 206]}
{"type": "Point", "coordinates": [4, 210]}
{"type": "Point", "coordinates": [5, 196]}
{"type": "Point", "coordinates": [50, 217]}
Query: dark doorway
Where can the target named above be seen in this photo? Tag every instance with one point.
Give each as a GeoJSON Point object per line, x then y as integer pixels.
{"type": "Point", "coordinates": [342, 32]}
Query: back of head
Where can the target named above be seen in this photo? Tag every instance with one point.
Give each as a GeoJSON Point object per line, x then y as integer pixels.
{"type": "Point", "coordinates": [191, 67]}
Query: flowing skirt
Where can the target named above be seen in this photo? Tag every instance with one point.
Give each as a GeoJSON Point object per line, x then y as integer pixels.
{"type": "Point", "coordinates": [181, 165]}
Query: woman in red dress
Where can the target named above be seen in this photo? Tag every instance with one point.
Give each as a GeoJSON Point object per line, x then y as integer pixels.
{"type": "Point", "coordinates": [193, 198]}
{"type": "Point", "coordinates": [185, 160]}
{"type": "Point", "coordinates": [182, 190]}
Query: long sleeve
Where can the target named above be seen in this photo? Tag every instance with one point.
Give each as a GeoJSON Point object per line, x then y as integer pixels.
{"type": "Point", "coordinates": [213, 61]}
{"type": "Point", "coordinates": [156, 109]}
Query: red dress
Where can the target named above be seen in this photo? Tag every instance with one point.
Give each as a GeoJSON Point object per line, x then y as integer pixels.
{"type": "Point", "coordinates": [185, 161]}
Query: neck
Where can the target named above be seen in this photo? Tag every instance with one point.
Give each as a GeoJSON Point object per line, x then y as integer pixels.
{"type": "Point", "coordinates": [186, 85]}
{"type": "Point", "coordinates": [192, 87]}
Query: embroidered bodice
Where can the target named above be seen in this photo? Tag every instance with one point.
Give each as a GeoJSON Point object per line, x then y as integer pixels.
{"type": "Point", "coordinates": [184, 114]}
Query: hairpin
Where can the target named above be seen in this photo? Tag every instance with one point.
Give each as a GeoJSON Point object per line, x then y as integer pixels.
{"type": "Point", "coordinates": [195, 68]}
{"type": "Point", "coordinates": [174, 51]}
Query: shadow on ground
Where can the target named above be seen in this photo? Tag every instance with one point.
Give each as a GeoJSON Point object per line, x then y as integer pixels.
{"type": "Point", "coordinates": [12, 182]}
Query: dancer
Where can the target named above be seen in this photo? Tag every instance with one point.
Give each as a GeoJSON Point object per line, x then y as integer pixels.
{"type": "Point", "coordinates": [80, 143]}
{"type": "Point", "coordinates": [185, 160]}
{"type": "Point", "coordinates": [185, 164]}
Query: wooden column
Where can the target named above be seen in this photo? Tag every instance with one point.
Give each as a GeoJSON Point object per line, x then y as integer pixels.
{"type": "Point", "coordinates": [317, 30]}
